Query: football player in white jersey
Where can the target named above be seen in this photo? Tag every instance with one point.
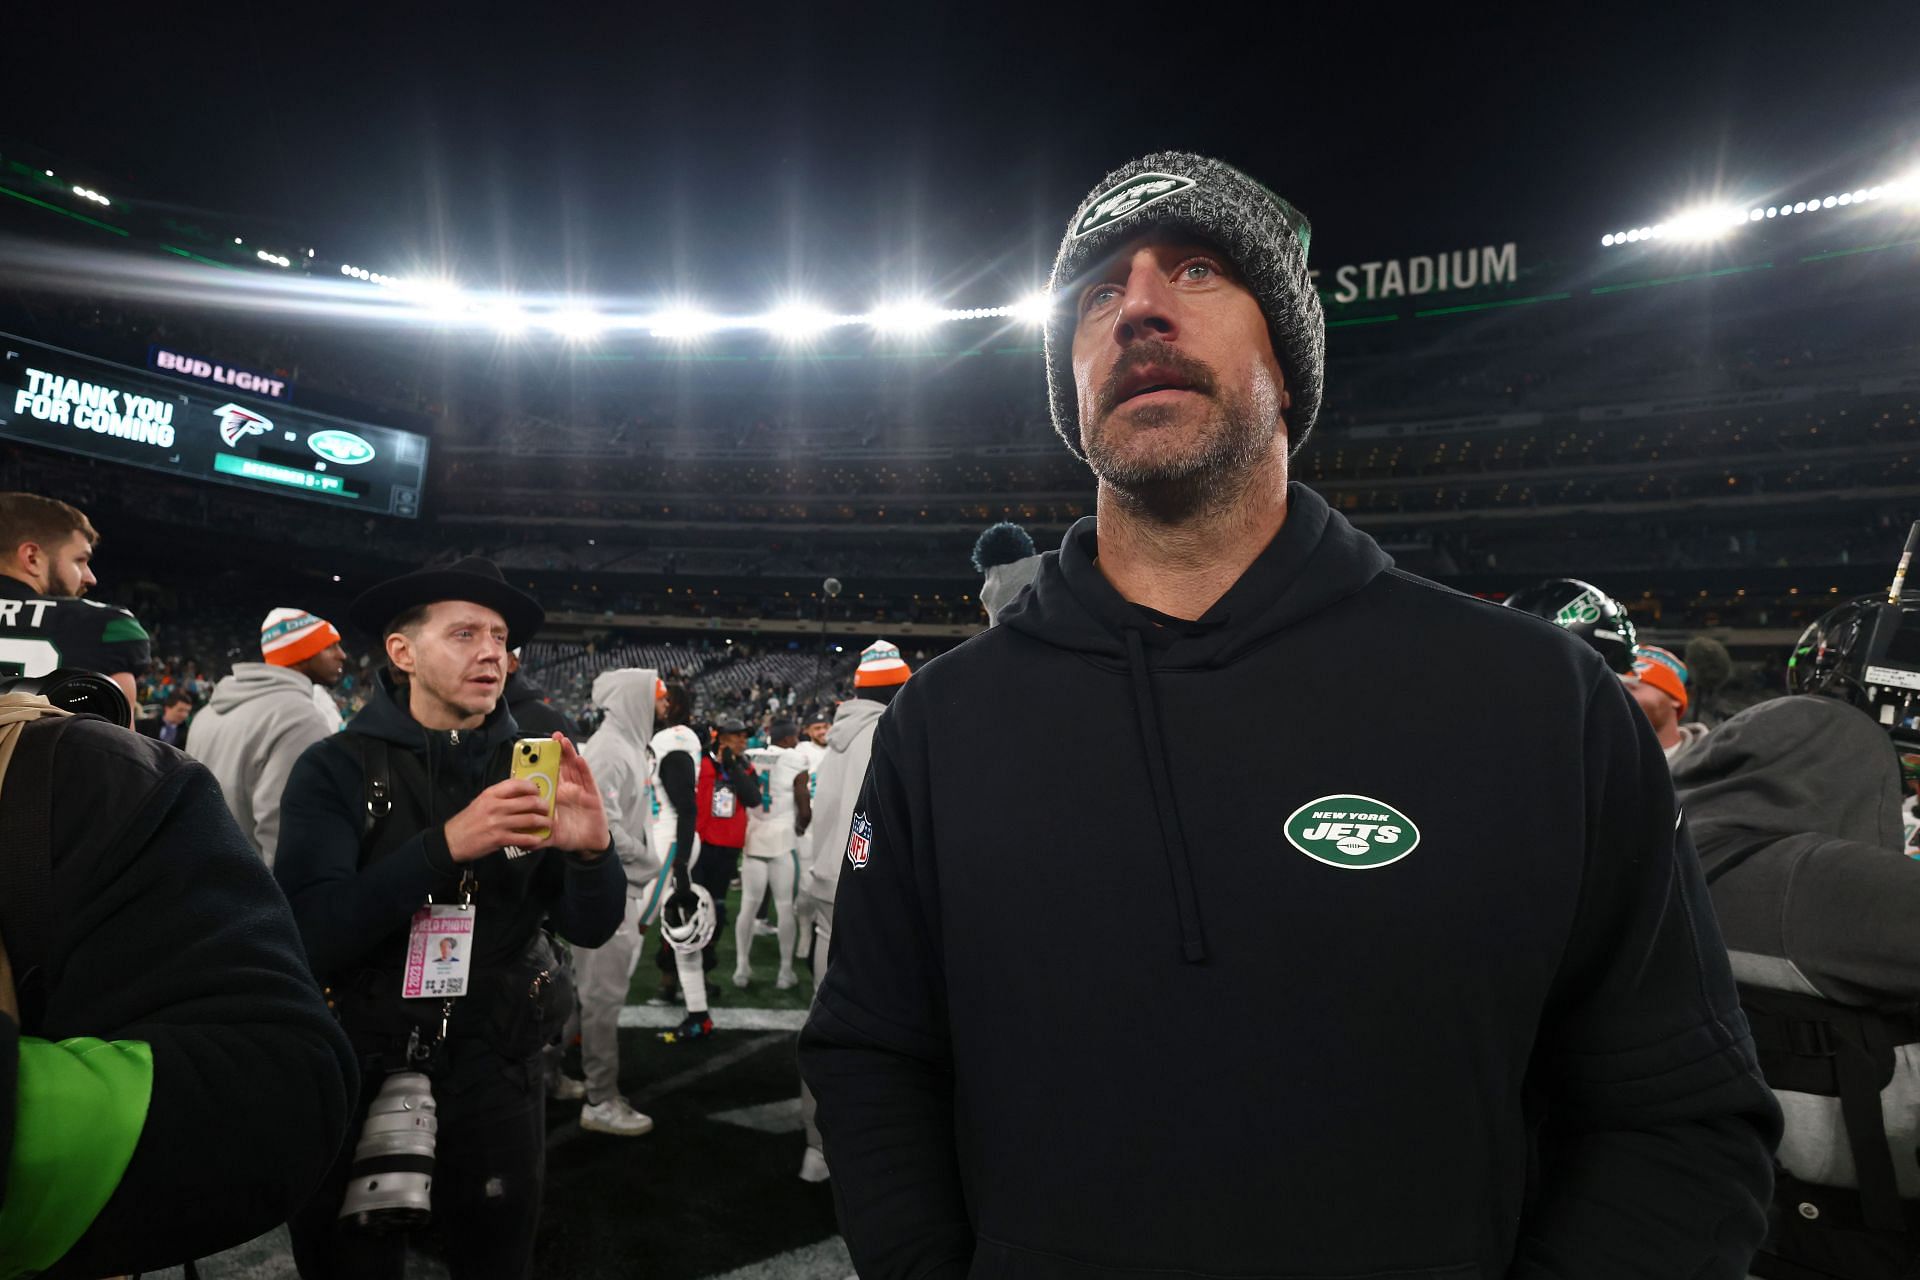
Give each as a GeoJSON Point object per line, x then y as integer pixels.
{"type": "Point", "coordinates": [769, 856]}
{"type": "Point", "coordinates": [683, 910]}
{"type": "Point", "coordinates": [813, 749]}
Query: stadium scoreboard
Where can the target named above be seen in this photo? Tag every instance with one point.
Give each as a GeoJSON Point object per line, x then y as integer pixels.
{"type": "Point", "coordinates": [79, 404]}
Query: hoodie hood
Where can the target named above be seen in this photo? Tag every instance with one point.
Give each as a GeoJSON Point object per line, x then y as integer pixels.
{"type": "Point", "coordinates": [1316, 560]}
{"type": "Point", "coordinates": [628, 696]}
{"type": "Point", "coordinates": [522, 690]}
{"type": "Point", "coordinates": [386, 717]}
{"type": "Point", "coordinates": [1003, 585]}
{"type": "Point", "coordinates": [251, 680]}
{"type": "Point", "coordinates": [853, 724]}
{"type": "Point", "coordinates": [1793, 766]}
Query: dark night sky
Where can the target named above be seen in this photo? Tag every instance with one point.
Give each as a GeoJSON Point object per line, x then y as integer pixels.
{"type": "Point", "coordinates": [856, 151]}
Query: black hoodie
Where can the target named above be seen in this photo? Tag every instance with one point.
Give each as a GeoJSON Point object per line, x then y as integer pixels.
{"type": "Point", "coordinates": [1175, 1031]}
{"type": "Point", "coordinates": [534, 712]}
{"type": "Point", "coordinates": [165, 928]}
{"type": "Point", "coordinates": [355, 918]}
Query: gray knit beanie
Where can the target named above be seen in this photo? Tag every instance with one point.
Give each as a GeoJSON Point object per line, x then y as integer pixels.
{"type": "Point", "coordinates": [1264, 235]}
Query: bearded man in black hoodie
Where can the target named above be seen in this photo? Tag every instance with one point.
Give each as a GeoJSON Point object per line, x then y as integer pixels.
{"type": "Point", "coordinates": [407, 816]}
{"type": "Point", "coordinates": [1492, 1032]}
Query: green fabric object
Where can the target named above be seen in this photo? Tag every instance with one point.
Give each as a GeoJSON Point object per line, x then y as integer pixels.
{"type": "Point", "coordinates": [123, 629]}
{"type": "Point", "coordinates": [81, 1106]}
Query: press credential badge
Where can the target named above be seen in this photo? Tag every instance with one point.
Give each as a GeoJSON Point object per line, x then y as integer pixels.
{"type": "Point", "coordinates": [439, 952]}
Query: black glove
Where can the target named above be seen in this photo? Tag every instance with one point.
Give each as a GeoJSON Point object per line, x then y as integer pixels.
{"type": "Point", "coordinates": [682, 903]}
{"type": "Point", "coordinates": [681, 906]}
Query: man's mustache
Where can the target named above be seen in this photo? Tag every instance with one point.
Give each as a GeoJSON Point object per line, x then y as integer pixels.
{"type": "Point", "coordinates": [1194, 373]}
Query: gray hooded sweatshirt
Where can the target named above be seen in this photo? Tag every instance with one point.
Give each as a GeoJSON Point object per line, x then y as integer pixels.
{"type": "Point", "coordinates": [618, 755]}
{"type": "Point", "coordinates": [1794, 806]}
{"type": "Point", "coordinates": [251, 731]}
{"type": "Point", "coordinates": [849, 748]}
{"type": "Point", "coordinates": [1004, 583]}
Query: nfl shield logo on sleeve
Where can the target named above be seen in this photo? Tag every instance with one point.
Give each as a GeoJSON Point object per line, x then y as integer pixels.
{"type": "Point", "coordinates": [860, 840]}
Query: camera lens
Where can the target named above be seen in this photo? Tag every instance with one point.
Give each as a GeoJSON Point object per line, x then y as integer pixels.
{"type": "Point", "coordinates": [390, 1187]}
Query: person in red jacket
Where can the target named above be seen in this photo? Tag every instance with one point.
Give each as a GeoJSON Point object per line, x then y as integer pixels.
{"type": "Point", "coordinates": [726, 790]}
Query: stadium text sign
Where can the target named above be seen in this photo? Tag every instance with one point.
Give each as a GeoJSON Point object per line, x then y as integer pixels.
{"type": "Point", "coordinates": [212, 371]}
{"type": "Point", "coordinates": [89, 406]}
{"type": "Point", "coordinates": [1434, 273]}
{"type": "Point", "coordinates": [64, 400]}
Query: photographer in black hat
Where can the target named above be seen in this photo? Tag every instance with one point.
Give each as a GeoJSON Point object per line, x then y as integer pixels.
{"type": "Point", "coordinates": [406, 826]}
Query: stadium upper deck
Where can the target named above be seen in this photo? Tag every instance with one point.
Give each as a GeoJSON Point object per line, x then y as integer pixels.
{"type": "Point", "coordinates": [1729, 420]}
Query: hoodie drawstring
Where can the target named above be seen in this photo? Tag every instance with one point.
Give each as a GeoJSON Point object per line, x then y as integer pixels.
{"type": "Point", "coordinates": [1193, 942]}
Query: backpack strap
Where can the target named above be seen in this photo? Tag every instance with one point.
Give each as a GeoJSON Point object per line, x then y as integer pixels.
{"type": "Point", "coordinates": [376, 780]}
{"type": "Point", "coordinates": [379, 781]}
{"type": "Point", "coordinates": [1809, 1045]}
{"type": "Point", "coordinates": [26, 867]}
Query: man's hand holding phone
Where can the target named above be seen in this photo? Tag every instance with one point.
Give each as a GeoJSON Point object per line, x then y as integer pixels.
{"type": "Point", "coordinates": [511, 812]}
{"type": "Point", "coordinates": [515, 812]}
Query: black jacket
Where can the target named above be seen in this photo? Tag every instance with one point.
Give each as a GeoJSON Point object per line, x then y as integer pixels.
{"type": "Point", "coordinates": [534, 712]}
{"type": "Point", "coordinates": [150, 728]}
{"type": "Point", "coordinates": [168, 929]}
{"type": "Point", "coordinates": [1449, 1002]}
{"type": "Point", "coordinates": [354, 918]}
{"type": "Point", "coordinates": [1795, 804]}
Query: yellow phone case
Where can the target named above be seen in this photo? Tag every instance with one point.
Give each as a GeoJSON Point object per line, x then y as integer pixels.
{"type": "Point", "coordinates": [537, 760]}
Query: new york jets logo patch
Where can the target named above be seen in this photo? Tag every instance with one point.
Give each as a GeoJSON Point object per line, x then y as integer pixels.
{"type": "Point", "coordinates": [1135, 193]}
{"type": "Point", "coordinates": [1354, 833]}
{"type": "Point", "coordinates": [1583, 608]}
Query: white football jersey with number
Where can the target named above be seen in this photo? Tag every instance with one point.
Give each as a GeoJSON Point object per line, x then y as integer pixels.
{"type": "Point", "coordinates": [770, 823]}
{"type": "Point", "coordinates": [665, 819]}
{"type": "Point", "coordinates": [814, 755]}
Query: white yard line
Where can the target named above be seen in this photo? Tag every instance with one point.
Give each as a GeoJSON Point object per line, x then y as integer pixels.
{"type": "Point", "coordinates": [827, 1260]}
{"type": "Point", "coordinates": [661, 1017]}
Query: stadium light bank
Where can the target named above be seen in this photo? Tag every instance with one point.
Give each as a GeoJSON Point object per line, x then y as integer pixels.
{"type": "Point", "coordinates": [1714, 222]}
{"type": "Point", "coordinates": [584, 321]}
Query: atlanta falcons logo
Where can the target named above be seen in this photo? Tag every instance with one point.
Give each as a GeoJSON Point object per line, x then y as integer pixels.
{"type": "Point", "coordinates": [236, 422]}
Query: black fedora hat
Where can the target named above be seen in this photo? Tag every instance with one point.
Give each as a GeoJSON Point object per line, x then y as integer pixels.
{"type": "Point", "coordinates": [473, 579]}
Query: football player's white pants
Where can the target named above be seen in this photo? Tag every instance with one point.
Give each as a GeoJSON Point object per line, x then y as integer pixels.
{"type": "Point", "coordinates": [821, 912]}
{"type": "Point", "coordinates": [693, 978]}
{"type": "Point", "coordinates": [755, 875]}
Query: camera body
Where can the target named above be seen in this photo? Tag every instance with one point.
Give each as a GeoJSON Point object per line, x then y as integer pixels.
{"type": "Point", "coordinates": [1888, 670]}
{"type": "Point", "coordinates": [1867, 652]}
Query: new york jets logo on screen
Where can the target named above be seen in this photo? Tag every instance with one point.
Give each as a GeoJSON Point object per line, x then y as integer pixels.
{"type": "Point", "coordinates": [1354, 833]}
{"type": "Point", "coordinates": [1135, 193]}
{"type": "Point", "coordinates": [343, 447]}
{"type": "Point", "coordinates": [236, 422]}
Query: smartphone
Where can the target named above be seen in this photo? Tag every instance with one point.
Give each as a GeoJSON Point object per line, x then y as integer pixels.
{"type": "Point", "coordinates": [537, 760]}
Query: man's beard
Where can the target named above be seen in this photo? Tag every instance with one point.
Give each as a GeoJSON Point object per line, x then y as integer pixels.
{"type": "Point", "coordinates": [62, 591]}
{"type": "Point", "coordinates": [1237, 435]}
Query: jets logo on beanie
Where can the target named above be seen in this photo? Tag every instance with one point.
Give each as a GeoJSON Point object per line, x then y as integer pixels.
{"type": "Point", "coordinates": [1265, 237]}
